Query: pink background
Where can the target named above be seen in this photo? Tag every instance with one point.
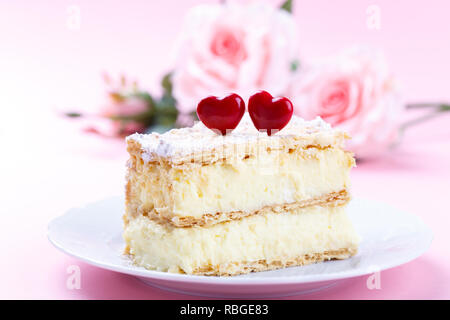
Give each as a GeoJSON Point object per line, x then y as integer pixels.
{"type": "Point", "coordinates": [48, 165]}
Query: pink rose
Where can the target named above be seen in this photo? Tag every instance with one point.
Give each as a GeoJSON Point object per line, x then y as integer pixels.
{"type": "Point", "coordinates": [127, 106]}
{"type": "Point", "coordinates": [353, 91]}
{"type": "Point", "coordinates": [233, 48]}
{"type": "Point", "coordinates": [123, 105]}
{"type": "Point", "coordinates": [108, 128]}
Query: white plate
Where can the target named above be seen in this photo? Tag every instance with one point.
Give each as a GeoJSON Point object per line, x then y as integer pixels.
{"type": "Point", "coordinates": [389, 238]}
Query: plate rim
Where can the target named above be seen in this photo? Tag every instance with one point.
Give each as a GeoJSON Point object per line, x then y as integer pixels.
{"type": "Point", "coordinates": [236, 280]}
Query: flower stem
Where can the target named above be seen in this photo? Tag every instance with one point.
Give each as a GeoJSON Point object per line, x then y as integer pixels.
{"type": "Point", "coordinates": [413, 122]}
{"type": "Point", "coordinates": [438, 108]}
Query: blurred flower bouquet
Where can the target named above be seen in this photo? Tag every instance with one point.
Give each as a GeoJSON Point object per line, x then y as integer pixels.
{"type": "Point", "coordinates": [129, 109]}
{"type": "Point", "coordinates": [217, 53]}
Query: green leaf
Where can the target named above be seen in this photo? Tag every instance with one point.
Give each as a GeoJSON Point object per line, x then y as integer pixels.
{"type": "Point", "coordinates": [166, 83]}
{"type": "Point", "coordinates": [143, 117]}
{"type": "Point", "coordinates": [444, 107]}
{"type": "Point", "coordinates": [287, 5]}
{"type": "Point", "coordinates": [167, 120]}
{"type": "Point", "coordinates": [144, 96]}
{"type": "Point", "coordinates": [294, 65]}
{"type": "Point", "coordinates": [166, 113]}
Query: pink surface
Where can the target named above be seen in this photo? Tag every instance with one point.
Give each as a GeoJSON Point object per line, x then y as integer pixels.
{"type": "Point", "coordinates": [48, 166]}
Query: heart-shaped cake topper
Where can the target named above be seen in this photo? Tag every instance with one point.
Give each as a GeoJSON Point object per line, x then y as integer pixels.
{"type": "Point", "coordinates": [223, 114]}
{"type": "Point", "coordinates": [269, 113]}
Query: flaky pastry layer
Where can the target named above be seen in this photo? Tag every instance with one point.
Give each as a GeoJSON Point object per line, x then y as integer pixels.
{"type": "Point", "coordinates": [332, 199]}
{"type": "Point", "coordinates": [255, 243]}
{"type": "Point", "coordinates": [199, 144]}
{"type": "Point", "coordinates": [236, 268]}
{"type": "Point", "coordinates": [195, 194]}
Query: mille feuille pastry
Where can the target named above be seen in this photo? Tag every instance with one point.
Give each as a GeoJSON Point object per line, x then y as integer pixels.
{"type": "Point", "coordinates": [198, 202]}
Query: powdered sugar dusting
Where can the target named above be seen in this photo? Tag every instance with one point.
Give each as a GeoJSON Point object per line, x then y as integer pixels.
{"type": "Point", "coordinates": [184, 141]}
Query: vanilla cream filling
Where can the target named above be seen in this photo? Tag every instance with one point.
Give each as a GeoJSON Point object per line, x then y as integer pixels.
{"type": "Point", "coordinates": [268, 237]}
{"type": "Point", "coordinates": [274, 178]}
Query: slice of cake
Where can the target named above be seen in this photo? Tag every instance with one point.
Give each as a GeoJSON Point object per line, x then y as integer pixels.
{"type": "Point", "coordinates": [202, 203]}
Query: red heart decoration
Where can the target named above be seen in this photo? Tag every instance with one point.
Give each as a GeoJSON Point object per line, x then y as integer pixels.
{"type": "Point", "coordinates": [223, 114]}
{"type": "Point", "coordinates": [269, 113]}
